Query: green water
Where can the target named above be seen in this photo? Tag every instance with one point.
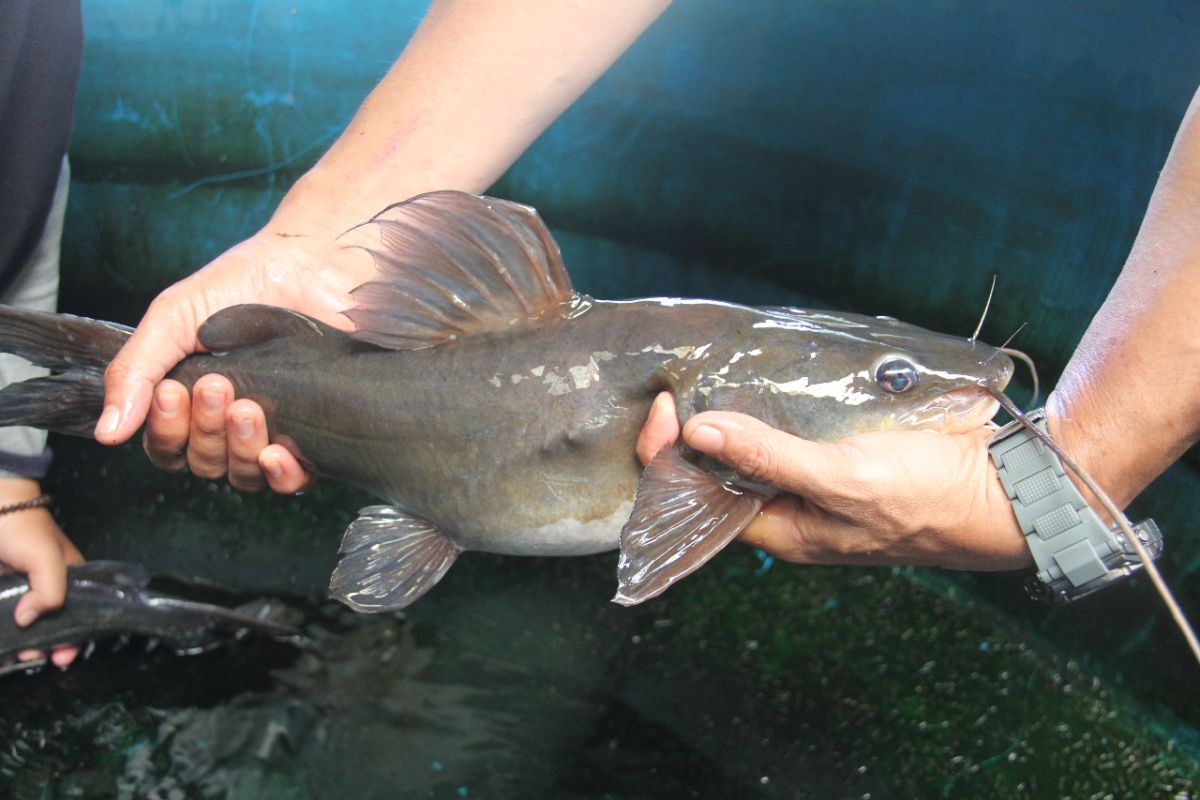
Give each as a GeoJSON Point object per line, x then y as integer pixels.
{"type": "Point", "coordinates": [542, 691]}
{"type": "Point", "coordinates": [541, 703]}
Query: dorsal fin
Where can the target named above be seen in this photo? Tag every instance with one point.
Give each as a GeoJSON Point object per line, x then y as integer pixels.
{"type": "Point", "coordinates": [251, 324]}
{"type": "Point", "coordinates": [452, 264]}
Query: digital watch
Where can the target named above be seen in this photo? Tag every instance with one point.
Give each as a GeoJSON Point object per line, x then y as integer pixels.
{"type": "Point", "coordinates": [1074, 551]}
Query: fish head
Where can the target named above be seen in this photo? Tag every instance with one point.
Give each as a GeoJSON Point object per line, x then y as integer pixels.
{"type": "Point", "coordinates": [827, 375]}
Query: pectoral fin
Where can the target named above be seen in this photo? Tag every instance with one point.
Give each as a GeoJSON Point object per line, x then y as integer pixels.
{"type": "Point", "coordinates": [682, 517]}
{"type": "Point", "coordinates": [389, 559]}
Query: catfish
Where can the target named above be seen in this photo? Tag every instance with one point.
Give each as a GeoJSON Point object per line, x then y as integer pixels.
{"type": "Point", "coordinates": [492, 407]}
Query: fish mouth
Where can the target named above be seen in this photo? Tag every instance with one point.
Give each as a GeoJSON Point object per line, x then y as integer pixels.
{"type": "Point", "coordinates": [958, 411]}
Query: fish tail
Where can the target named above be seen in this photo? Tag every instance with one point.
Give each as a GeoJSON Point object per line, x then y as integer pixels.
{"type": "Point", "coordinates": [76, 350]}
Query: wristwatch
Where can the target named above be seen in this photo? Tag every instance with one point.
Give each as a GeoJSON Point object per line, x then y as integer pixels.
{"type": "Point", "coordinates": [1075, 553]}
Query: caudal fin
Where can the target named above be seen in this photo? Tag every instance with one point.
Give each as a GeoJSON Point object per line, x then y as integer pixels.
{"type": "Point", "coordinates": [76, 350]}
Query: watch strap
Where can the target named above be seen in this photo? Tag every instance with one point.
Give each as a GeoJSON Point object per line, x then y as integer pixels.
{"type": "Point", "coordinates": [1074, 551]}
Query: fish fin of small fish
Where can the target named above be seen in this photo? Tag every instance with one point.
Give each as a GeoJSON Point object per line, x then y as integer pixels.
{"type": "Point", "coordinates": [273, 617]}
{"type": "Point", "coordinates": [452, 265]}
{"type": "Point", "coordinates": [389, 559]}
{"type": "Point", "coordinates": [251, 324]}
{"type": "Point", "coordinates": [682, 517]}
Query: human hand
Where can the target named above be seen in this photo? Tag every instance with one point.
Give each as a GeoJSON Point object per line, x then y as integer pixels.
{"type": "Point", "coordinates": [31, 542]}
{"type": "Point", "coordinates": [892, 497]}
{"type": "Point", "coordinates": [295, 263]}
{"type": "Point", "coordinates": [217, 435]}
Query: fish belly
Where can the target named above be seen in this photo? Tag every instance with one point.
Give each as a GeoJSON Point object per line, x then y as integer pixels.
{"type": "Point", "coordinates": [536, 476]}
{"type": "Point", "coordinates": [566, 536]}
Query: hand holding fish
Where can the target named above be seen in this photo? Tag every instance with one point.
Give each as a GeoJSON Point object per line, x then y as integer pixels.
{"type": "Point", "coordinates": [292, 263]}
{"type": "Point", "coordinates": [31, 542]}
{"type": "Point", "coordinates": [217, 436]}
{"type": "Point", "coordinates": [447, 115]}
{"type": "Point", "coordinates": [888, 497]}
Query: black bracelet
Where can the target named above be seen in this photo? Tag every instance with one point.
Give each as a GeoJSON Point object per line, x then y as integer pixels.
{"type": "Point", "coordinates": [24, 505]}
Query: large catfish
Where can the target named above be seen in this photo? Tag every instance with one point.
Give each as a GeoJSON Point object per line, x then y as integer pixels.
{"type": "Point", "coordinates": [494, 408]}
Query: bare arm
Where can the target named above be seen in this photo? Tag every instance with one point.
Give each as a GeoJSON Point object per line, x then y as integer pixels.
{"type": "Point", "coordinates": [31, 542]}
{"type": "Point", "coordinates": [1128, 402]}
{"type": "Point", "coordinates": [478, 82]}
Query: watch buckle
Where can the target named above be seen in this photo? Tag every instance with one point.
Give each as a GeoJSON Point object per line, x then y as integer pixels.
{"type": "Point", "coordinates": [1120, 564]}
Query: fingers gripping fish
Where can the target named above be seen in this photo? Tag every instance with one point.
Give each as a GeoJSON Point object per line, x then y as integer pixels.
{"type": "Point", "coordinates": [494, 408]}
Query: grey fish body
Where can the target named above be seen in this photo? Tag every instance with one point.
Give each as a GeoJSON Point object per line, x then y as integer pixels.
{"type": "Point", "coordinates": [493, 438]}
{"type": "Point", "coordinates": [523, 443]}
{"type": "Point", "coordinates": [495, 409]}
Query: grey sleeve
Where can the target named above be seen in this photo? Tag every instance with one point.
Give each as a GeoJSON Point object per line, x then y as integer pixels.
{"type": "Point", "coordinates": [23, 451]}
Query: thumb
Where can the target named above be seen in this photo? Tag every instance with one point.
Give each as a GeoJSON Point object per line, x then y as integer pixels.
{"type": "Point", "coordinates": [661, 428]}
{"type": "Point", "coordinates": [162, 339]}
{"type": "Point", "coordinates": [47, 581]}
{"type": "Point", "coordinates": [47, 589]}
{"type": "Point", "coordinates": [764, 454]}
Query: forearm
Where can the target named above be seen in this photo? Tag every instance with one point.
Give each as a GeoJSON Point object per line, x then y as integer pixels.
{"type": "Point", "coordinates": [478, 82]}
{"type": "Point", "coordinates": [1128, 403]}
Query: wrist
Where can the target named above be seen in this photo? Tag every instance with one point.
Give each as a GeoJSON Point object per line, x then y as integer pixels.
{"type": "Point", "coordinates": [318, 208]}
{"type": "Point", "coordinates": [1000, 525]}
{"type": "Point", "coordinates": [331, 198]}
{"type": "Point", "coordinates": [1077, 429]}
{"type": "Point", "coordinates": [14, 489]}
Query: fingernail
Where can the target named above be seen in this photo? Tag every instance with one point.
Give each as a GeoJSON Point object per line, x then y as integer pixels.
{"type": "Point", "coordinates": [107, 423]}
{"type": "Point", "coordinates": [213, 399]}
{"type": "Point", "coordinates": [168, 403]}
{"type": "Point", "coordinates": [243, 427]}
{"type": "Point", "coordinates": [707, 439]}
{"type": "Point", "coordinates": [25, 616]}
{"type": "Point", "coordinates": [273, 469]}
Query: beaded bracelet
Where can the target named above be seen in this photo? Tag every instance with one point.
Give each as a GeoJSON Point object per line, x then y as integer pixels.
{"type": "Point", "coordinates": [36, 502]}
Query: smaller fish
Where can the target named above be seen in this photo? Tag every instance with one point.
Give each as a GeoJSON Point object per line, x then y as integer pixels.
{"type": "Point", "coordinates": [107, 599]}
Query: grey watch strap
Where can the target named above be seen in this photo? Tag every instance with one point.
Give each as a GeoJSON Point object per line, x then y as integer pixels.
{"type": "Point", "coordinates": [1075, 552]}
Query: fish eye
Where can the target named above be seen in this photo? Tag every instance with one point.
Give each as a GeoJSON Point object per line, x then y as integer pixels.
{"type": "Point", "coordinates": [896, 375]}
